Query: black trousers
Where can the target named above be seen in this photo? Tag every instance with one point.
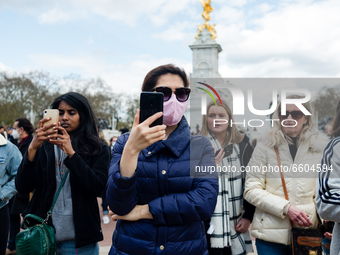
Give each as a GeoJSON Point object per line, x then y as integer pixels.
{"type": "Point", "coordinates": [4, 223]}
{"type": "Point", "coordinates": [222, 251]}
{"type": "Point", "coordinates": [14, 229]}
{"type": "Point", "coordinates": [218, 251]}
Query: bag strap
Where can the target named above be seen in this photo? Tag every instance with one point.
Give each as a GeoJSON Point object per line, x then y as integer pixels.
{"type": "Point", "coordinates": [49, 213]}
{"type": "Point", "coordinates": [283, 180]}
{"type": "Point", "coordinates": [285, 188]}
{"type": "Point", "coordinates": [35, 217]}
{"type": "Point", "coordinates": [281, 174]}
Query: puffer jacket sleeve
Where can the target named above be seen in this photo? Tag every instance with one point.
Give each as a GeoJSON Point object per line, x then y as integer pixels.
{"type": "Point", "coordinates": [328, 184]}
{"type": "Point", "coordinates": [255, 188]}
{"type": "Point", "coordinates": [196, 205]}
{"type": "Point", "coordinates": [121, 193]}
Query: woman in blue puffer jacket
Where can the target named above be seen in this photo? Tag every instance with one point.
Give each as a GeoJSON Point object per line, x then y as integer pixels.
{"type": "Point", "coordinates": [160, 208]}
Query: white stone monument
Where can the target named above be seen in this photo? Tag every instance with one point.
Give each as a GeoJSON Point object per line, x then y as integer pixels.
{"type": "Point", "coordinates": [205, 56]}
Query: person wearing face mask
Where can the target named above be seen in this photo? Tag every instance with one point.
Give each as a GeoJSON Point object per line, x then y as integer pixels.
{"type": "Point", "coordinates": [113, 141]}
{"type": "Point", "coordinates": [23, 130]}
{"type": "Point", "coordinates": [158, 207]}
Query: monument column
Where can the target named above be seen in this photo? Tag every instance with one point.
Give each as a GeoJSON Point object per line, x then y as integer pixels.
{"type": "Point", "coordinates": [205, 56]}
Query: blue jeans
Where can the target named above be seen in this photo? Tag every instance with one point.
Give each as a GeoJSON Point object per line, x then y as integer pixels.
{"type": "Point", "coordinates": [269, 248]}
{"type": "Point", "coordinates": [104, 205]}
{"type": "Point", "coordinates": [68, 248]}
{"type": "Point", "coordinates": [325, 241]}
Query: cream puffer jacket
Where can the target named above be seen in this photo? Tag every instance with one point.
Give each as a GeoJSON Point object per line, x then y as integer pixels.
{"type": "Point", "coordinates": [264, 189]}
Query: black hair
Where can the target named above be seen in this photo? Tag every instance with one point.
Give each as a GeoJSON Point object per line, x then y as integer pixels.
{"type": "Point", "coordinates": [26, 125]}
{"type": "Point", "coordinates": [151, 79]}
{"type": "Point", "coordinates": [85, 139]}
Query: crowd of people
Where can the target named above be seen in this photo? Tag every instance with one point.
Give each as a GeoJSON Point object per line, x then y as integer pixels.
{"type": "Point", "coordinates": [147, 183]}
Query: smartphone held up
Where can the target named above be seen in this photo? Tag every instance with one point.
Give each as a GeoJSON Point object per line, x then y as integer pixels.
{"type": "Point", "coordinates": [228, 150]}
{"type": "Point", "coordinates": [151, 103]}
{"type": "Point", "coordinates": [53, 114]}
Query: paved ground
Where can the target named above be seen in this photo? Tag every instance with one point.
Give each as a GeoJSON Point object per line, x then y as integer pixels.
{"type": "Point", "coordinates": [107, 232]}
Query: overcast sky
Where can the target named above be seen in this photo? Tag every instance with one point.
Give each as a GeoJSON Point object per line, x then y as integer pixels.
{"type": "Point", "coordinates": [120, 41]}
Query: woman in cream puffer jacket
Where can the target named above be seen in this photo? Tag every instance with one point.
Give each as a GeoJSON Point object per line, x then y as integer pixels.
{"type": "Point", "coordinates": [271, 224]}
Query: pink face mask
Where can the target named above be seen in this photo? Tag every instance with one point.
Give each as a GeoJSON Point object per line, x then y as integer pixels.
{"type": "Point", "coordinates": [173, 111]}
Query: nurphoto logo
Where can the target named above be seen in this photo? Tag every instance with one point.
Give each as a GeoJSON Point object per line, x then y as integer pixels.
{"type": "Point", "coordinates": [239, 102]}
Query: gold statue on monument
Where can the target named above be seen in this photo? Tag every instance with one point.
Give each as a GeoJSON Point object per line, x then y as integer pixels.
{"type": "Point", "coordinates": [206, 15]}
{"type": "Point", "coordinates": [207, 9]}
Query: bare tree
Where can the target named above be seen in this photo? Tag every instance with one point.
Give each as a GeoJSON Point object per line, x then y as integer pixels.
{"type": "Point", "coordinates": [18, 93]}
{"type": "Point", "coordinates": [104, 102]}
{"type": "Point", "coordinates": [326, 102]}
{"type": "Point", "coordinates": [132, 106]}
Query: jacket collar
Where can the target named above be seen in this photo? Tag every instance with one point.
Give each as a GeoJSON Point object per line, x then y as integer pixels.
{"type": "Point", "coordinates": [308, 135]}
{"type": "Point", "coordinates": [3, 140]}
{"type": "Point", "coordinates": [176, 143]}
{"type": "Point", "coordinates": [245, 139]}
{"type": "Point", "coordinates": [314, 141]}
{"type": "Point", "coordinates": [25, 141]}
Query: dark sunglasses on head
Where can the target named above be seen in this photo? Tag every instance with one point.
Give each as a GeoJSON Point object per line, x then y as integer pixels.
{"type": "Point", "coordinates": [182, 94]}
{"type": "Point", "coordinates": [296, 115]}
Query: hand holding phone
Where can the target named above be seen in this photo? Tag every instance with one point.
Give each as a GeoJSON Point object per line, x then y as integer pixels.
{"type": "Point", "coordinates": [42, 135]}
{"type": "Point", "coordinates": [228, 150]}
{"type": "Point", "coordinates": [141, 136]}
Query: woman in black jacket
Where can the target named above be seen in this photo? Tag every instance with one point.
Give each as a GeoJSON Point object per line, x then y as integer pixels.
{"type": "Point", "coordinates": [73, 144]}
{"type": "Point", "coordinates": [228, 228]}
